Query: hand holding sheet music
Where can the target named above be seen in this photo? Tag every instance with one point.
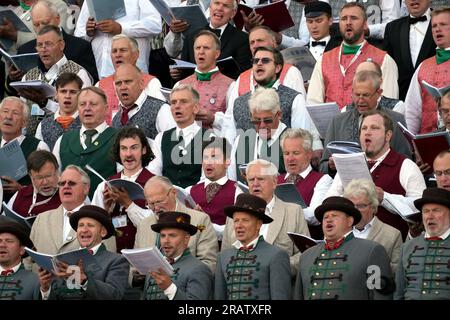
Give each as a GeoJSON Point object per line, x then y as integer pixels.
{"type": "Point", "coordinates": [351, 166]}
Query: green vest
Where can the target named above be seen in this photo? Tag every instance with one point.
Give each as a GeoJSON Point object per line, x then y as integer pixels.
{"type": "Point", "coordinates": [98, 155]}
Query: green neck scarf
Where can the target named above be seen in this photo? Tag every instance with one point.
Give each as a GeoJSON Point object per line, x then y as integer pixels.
{"type": "Point", "coordinates": [442, 55]}
{"type": "Point", "coordinates": [204, 76]}
{"type": "Point", "coordinates": [270, 84]}
{"type": "Point", "coordinates": [348, 49]}
{"type": "Point", "coordinates": [24, 6]}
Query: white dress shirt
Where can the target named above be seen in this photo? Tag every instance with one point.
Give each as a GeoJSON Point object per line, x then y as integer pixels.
{"type": "Point", "coordinates": [141, 22]}
{"type": "Point", "coordinates": [364, 233]}
{"type": "Point", "coordinates": [318, 50]}
{"type": "Point", "coordinates": [66, 223]}
{"type": "Point", "coordinates": [41, 145]}
{"type": "Point", "coordinates": [265, 227]}
{"type": "Point", "coordinates": [417, 34]}
{"type": "Point", "coordinates": [38, 133]}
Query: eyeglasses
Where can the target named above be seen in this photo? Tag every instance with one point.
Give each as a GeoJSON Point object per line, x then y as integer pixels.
{"type": "Point", "coordinates": [159, 203]}
{"type": "Point", "coordinates": [257, 122]}
{"type": "Point", "coordinates": [69, 182]}
{"type": "Point", "coordinates": [263, 60]}
{"type": "Point", "coordinates": [364, 96]}
{"type": "Point", "coordinates": [46, 44]}
{"type": "Point", "coordinates": [40, 178]}
{"type": "Point", "coordinates": [439, 173]}
{"type": "Point", "coordinates": [361, 206]}
{"type": "Point", "coordinates": [444, 111]}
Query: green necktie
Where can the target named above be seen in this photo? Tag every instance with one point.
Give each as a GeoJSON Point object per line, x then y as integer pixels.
{"type": "Point", "coordinates": [89, 134]}
{"type": "Point", "coordinates": [204, 76]}
{"type": "Point", "coordinates": [351, 49]}
{"type": "Point", "coordinates": [442, 55]}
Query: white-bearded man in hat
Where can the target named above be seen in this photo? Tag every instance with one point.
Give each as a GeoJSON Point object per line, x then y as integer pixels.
{"type": "Point", "coordinates": [422, 273]}
{"type": "Point", "coordinates": [104, 278]}
{"type": "Point", "coordinates": [343, 267]}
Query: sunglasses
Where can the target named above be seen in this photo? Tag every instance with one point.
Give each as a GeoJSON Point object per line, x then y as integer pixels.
{"type": "Point", "coordinates": [265, 121]}
{"type": "Point", "coordinates": [263, 60]}
{"type": "Point", "coordinates": [70, 183]}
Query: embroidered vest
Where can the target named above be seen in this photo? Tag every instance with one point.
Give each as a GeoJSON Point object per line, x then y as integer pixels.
{"type": "Point", "coordinates": [24, 200]}
{"type": "Point", "coordinates": [246, 78]}
{"type": "Point", "coordinates": [52, 130]}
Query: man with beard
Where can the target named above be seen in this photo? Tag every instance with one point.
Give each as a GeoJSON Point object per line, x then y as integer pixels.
{"type": "Point", "coordinates": [398, 180]}
{"type": "Point", "coordinates": [332, 77]}
{"type": "Point", "coordinates": [132, 151]}
{"type": "Point", "coordinates": [42, 195]}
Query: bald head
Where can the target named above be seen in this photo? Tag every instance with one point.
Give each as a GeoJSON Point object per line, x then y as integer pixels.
{"type": "Point", "coordinates": [129, 83]}
{"type": "Point", "coordinates": [44, 13]}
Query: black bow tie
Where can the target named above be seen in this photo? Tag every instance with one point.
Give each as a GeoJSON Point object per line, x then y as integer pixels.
{"type": "Point", "coordinates": [216, 31]}
{"type": "Point", "coordinates": [415, 20]}
{"type": "Point", "coordinates": [318, 43]}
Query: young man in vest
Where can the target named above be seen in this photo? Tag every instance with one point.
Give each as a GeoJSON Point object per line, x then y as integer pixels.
{"type": "Point", "coordinates": [161, 196]}
{"type": "Point", "coordinates": [191, 279]}
{"type": "Point", "coordinates": [366, 96]}
{"type": "Point", "coordinates": [296, 145]}
{"type": "Point", "coordinates": [92, 143]}
{"type": "Point", "coordinates": [103, 279]}
{"type": "Point", "coordinates": [178, 151]}
{"type": "Point", "coordinates": [209, 82]}
{"type": "Point", "coordinates": [68, 85]}
{"type": "Point", "coordinates": [16, 283]}
{"type": "Point", "coordinates": [399, 180]}
{"type": "Point", "coordinates": [132, 151]}
{"type": "Point", "coordinates": [125, 49]}
{"type": "Point", "coordinates": [420, 274]}
{"type": "Point", "coordinates": [421, 109]}
{"type": "Point", "coordinates": [339, 268]}
{"type": "Point", "coordinates": [42, 194]}
{"type": "Point", "coordinates": [14, 116]}
{"type": "Point", "coordinates": [333, 74]}
{"type": "Point", "coordinates": [216, 191]}
{"type": "Point", "coordinates": [136, 108]}
{"type": "Point", "coordinates": [252, 268]}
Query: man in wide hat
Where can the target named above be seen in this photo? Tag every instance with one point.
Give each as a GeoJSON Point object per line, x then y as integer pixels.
{"type": "Point", "coordinates": [341, 267]}
{"type": "Point", "coordinates": [264, 270]}
{"type": "Point", "coordinates": [422, 271]}
{"type": "Point", "coordinates": [191, 278]}
{"type": "Point", "coordinates": [104, 277]}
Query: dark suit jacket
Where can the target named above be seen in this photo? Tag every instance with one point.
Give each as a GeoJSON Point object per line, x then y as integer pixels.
{"type": "Point", "coordinates": [234, 43]}
{"type": "Point", "coordinates": [396, 43]}
{"type": "Point", "coordinates": [78, 50]}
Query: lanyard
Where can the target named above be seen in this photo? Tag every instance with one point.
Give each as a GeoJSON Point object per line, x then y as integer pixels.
{"type": "Point", "coordinates": [343, 71]}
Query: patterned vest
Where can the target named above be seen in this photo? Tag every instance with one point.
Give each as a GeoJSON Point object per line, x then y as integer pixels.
{"type": "Point", "coordinates": [185, 169]}
{"type": "Point", "coordinates": [296, 11]}
{"type": "Point", "coordinates": [373, 10]}
{"type": "Point", "coordinates": [97, 155]}
{"type": "Point", "coordinates": [24, 200]}
{"type": "Point", "coordinates": [438, 76]}
{"type": "Point", "coordinates": [125, 235]}
{"type": "Point", "coordinates": [246, 77]}
{"type": "Point", "coordinates": [337, 87]}
{"type": "Point", "coordinates": [223, 198]}
{"type": "Point", "coordinates": [52, 130]}
{"type": "Point", "coordinates": [241, 110]}
{"type": "Point", "coordinates": [107, 84]}
{"type": "Point", "coordinates": [213, 93]}
{"type": "Point", "coordinates": [145, 118]}
{"type": "Point", "coordinates": [387, 177]}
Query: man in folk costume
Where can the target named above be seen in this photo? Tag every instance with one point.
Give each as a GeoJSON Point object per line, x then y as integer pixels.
{"type": "Point", "coordinates": [251, 269]}
{"type": "Point", "coordinates": [132, 151]}
{"type": "Point", "coordinates": [421, 108]}
{"type": "Point", "coordinates": [340, 268]}
{"type": "Point", "coordinates": [333, 74]}
{"type": "Point", "coordinates": [422, 272]}
{"type": "Point", "coordinates": [191, 279]}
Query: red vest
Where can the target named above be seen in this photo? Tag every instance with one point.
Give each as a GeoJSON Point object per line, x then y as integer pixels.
{"type": "Point", "coordinates": [125, 239]}
{"type": "Point", "coordinates": [107, 85]}
{"type": "Point", "coordinates": [24, 199]}
{"type": "Point", "coordinates": [387, 177]}
{"type": "Point", "coordinates": [438, 76]}
{"type": "Point", "coordinates": [337, 87]}
{"type": "Point", "coordinates": [245, 79]}
{"type": "Point", "coordinates": [223, 198]}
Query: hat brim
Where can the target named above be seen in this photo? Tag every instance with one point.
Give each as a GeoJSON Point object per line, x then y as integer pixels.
{"type": "Point", "coordinates": [419, 203]}
{"type": "Point", "coordinates": [229, 211]}
{"type": "Point", "coordinates": [314, 14]}
{"type": "Point", "coordinates": [189, 228]}
{"type": "Point", "coordinates": [350, 211]}
{"type": "Point", "coordinates": [18, 231]}
{"type": "Point", "coordinates": [103, 219]}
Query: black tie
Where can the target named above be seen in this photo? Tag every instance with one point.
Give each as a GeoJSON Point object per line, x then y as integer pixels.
{"type": "Point", "coordinates": [89, 134]}
{"type": "Point", "coordinates": [415, 20]}
{"type": "Point", "coordinates": [318, 43]}
{"type": "Point", "coordinates": [216, 31]}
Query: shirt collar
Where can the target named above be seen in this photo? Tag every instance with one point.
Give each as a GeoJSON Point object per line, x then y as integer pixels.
{"type": "Point", "coordinates": [276, 134]}
{"type": "Point", "coordinates": [443, 236]}
{"type": "Point", "coordinates": [132, 177]}
{"type": "Point", "coordinates": [237, 244]}
{"type": "Point", "coordinates": [269, 207]}
{"type": "Point", "coordinates": [100, 128]}
{"type": "Point", "coordinates": [52, 73]}
{"type": "Point", "coordinates": [302, 174]}
{"type": "Point", "coordinates": [215, 69]}
{"type": "Point", "coordinates": [139, 101]}
{"type": "Point", "coordinates": [380, 159]}
{"type": "Point", "coordinates": [19, 140]}
{"type": "Point", "coordinates": [220, 181]}
{"type": "Point", "coordinates": [427, 14]}
{"type": "Point", "coordinates": [57, 114]}
{"type": "Point", "coordinates": [191, 129]}
{"type": "Point", "coordinates": [74, 210]}
{"type": "Point", "coordinates": [15, 268]}
{"type": "Point", "coordinates": [326, 39]}
{"type": "Point", "coordinates": [222, 28]}
{"type": "Point", "coordinates": [366, 227]}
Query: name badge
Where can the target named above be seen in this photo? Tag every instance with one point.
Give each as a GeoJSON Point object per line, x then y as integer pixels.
{"type": "Point", "coordinates": [120, 221]}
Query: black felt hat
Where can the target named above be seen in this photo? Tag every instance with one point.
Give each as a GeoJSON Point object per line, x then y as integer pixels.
{"type": "Point", "coordinates": [174, 219]}
{"type": "Point", "coordinates": [339, 204]}
{"type": "Point", "coordinates": [251, 204]}
{"type": "Point", "coordinates": [96, 213]}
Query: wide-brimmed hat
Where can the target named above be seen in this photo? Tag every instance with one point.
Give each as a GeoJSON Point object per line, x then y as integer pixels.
{"type": "Point", "coordinates": [251, 204]}
{"type": "Point", "coordinates": [22, 233]}
{"type": "Point", "coordinates": [174, 219]}
{"type": "Point", "coordinates": [433, 195]}
{"type": "Point", "coordinates": [316, 9]}
{"type": "Point", "coordinates": [96, 213]}
{"type": "Point", "coordinates": [339, 204]}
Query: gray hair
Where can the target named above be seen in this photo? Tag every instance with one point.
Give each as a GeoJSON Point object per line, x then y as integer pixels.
{"type": "Point", "coordinates": [133, 43]}
{"type": "Point", "coordinates": [84, 176]}
{"type": "Point", "coordinates": [363, 187]}
{"type": "Point", "coordinates": [264, 100]}
{"type": "Point", "coordinates": [51, 7]}
{"type": "Point", "coordinates": [25, 110]}
{"type": "Point", "coordinates": [367, 75]}
{"type": "Point", "coordinates": [268, 168]}
{"type": "Point", "coordinates": [159, 180]}
{"type": "Point", "coordinates": [298, 133]}
{"type": "Point", "coordinates": [49, 28]}
{"type": "Point", "coordinates": [188, 87]}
